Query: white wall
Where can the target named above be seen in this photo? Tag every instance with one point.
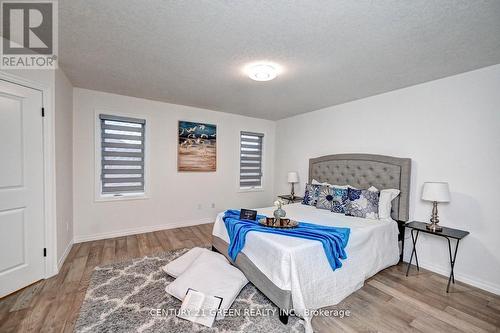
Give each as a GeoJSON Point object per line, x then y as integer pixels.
{"type": "Point", "coordinates": [451, 130]}
{"type": "Point", "coordinates": [174, 197]}
{"type": "Point", "coordinates": [64, 163]}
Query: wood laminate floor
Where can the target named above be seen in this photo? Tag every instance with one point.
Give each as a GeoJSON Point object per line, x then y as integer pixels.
{"type": "Point", "coordinates": [389, 302]}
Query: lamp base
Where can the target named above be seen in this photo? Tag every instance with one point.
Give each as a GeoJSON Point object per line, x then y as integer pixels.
{"type": "Point", "coordinates": [434, 227]}
{"type": "Point", "coordinates": [434, 219]}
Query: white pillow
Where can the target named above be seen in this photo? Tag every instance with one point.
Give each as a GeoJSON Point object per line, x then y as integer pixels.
{"type": "Point", "coordinates": [385, 202]}
{"type": "Point", "coordinates": [177, 266]}
{"type": "Point", "coordinates": [211, 275]}
{"type": "Point", "coordinates": [315, 182]}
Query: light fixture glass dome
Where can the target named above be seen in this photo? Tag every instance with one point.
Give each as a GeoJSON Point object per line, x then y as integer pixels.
{"type": "Point", "coordinates": [262, 72]}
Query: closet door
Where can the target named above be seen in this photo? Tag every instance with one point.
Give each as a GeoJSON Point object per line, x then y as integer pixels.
{"type": "Point", "coordinates": [21, 187]}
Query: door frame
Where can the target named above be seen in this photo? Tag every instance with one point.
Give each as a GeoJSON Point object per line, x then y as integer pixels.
{"type": "Point", "coordinates": [49, 181]}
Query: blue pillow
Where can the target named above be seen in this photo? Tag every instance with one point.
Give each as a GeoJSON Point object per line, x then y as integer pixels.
{"type": "Point", "coordinates": [332, 198]}
{"type": "Point", "coordinates": [339, 199]}
{"type": "Point", "coordinates": [362, 203]}
{"type": "Point", "coordinates": [311, 194]}
{"type": "Point", "coordinates": [325, 198]}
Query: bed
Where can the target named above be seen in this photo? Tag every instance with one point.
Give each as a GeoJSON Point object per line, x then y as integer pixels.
{"type": "Point", "coordinates": [293, 272]}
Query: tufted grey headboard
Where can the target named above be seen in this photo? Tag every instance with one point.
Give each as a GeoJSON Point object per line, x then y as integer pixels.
{"type": "Point", "coordinates": [365, 170]}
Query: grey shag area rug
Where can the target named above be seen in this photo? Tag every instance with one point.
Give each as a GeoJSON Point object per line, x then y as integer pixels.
{"type": "Point", "coordinates": [122, 297]}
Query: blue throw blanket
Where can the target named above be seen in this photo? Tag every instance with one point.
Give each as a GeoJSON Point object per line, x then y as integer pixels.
{"type": "Point", "coordinates": [334, 239]}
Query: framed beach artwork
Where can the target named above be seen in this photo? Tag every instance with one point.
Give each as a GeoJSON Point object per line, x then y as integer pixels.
{"type": "Point", "coordinates": [197, 147]}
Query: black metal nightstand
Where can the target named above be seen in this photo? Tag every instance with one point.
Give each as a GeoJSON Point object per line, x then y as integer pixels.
{"type": "Point", "coordinates": [289, 198]}
{"type": "Point", "coordinates": [448, 233]}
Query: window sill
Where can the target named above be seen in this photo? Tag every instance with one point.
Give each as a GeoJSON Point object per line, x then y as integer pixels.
{"type": "Point", "coordinates": [254, 189]}
{"type": "Point", "coordinates": [123, 197]}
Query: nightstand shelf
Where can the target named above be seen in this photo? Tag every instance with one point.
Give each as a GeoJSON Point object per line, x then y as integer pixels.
{"type": "Point", "coordinates": [448, 233]}
{"type": "Point", "coordinates": [288, 198]}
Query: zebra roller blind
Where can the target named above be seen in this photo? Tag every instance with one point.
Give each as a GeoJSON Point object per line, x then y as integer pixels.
{"type": "Point", "coordinates": [122, 154]}
{"type": "Point", "coordinates": [251, 159]}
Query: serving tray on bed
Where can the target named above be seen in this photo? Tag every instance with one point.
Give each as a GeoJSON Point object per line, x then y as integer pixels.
{"type": "Point", "coordinates": [272, 222]}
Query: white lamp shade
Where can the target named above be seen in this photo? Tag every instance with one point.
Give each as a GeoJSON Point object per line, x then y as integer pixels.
{"type": "Point", "coordinates": [293, 177]}
{"type": "Point", "coordinates": [435, 191]}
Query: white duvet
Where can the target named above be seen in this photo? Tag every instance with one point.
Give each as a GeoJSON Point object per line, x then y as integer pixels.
{"type": "Point", "coordinates": [301, 266]}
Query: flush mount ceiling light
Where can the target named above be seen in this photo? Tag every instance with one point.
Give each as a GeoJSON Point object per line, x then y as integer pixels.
{"type": "Point", "coordinates": [262, 71]}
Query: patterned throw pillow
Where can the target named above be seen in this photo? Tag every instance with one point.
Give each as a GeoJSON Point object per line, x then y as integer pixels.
{"type": "Point", "coordinates": [332, 198]}
{"type": "Point", "coordinates": [362, 203]}
{"type": "Point", "coordinates": [339, 199]}
{"type": "Point", "coordinates": [311, 194]}
{"type": "Point", "coordinates": [325, 198]}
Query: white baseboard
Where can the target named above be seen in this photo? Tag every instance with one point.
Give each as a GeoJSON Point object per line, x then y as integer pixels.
{"type": "Point", "coordinates": [61, 260]}
{"type": "Point", "coordinates": [473, 281]}
{"type": "Point", "coordinates": [141, 230]}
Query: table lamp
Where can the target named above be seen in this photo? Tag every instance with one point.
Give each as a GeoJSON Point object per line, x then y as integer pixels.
{"type": "Point", "coordinates": [435, 192]}
{"type": "Point", "coordinates": [293, 177]}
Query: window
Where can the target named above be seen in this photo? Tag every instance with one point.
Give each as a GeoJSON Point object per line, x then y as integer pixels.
{"type": "Point", "coordinates": [251, 160]}
{"type": "Point", "coordinates": [122, 155]}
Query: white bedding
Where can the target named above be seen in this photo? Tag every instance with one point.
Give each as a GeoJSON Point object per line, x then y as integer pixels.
{"type": "Point", "coordinates": [301, 266]}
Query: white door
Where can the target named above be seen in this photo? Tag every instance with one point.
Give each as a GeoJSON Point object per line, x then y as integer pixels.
{"type": "Point", "coordinates": [21, 187]}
